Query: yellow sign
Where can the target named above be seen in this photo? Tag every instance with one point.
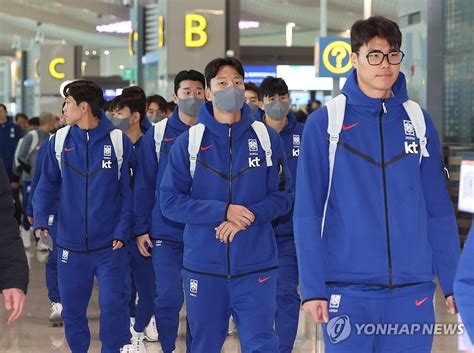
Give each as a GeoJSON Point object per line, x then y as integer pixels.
{"type": "Point", "coordinates": [337, 50]}
{"type": "Point", "coordinates": [52, 68]}
{"type": "Point", "coordinates": [161, 32]}
{"type": "Point", "coordinates": [132, 37]}
{"type": "Point", "coordinates": [198, 30]}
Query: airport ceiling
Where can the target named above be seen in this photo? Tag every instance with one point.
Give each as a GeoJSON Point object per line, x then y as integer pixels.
{"type": "Point", "coordinates": [75, 21]}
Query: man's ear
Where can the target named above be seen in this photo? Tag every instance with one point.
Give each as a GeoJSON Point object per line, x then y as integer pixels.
{"type": "Point", "coordinates": [136, 118]}
{"type": "Point", "coordinates": [355, 60]}
{"type": "Point", "coordinates": [209, 95]}
{"type": "Point", "coordinates": [175, 98]}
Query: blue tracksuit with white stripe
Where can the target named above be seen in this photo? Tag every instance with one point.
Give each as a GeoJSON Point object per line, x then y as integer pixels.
{"type": "Point", "coordinates": [51, 269]}
{"type": "Point", "coordinates": [166, 235]}
{"type": "Point", "coordinates": [288, 299]}
{"type": "Point", "coordinates": [237, 278]}
{"type": "Point", "coordinates": [390, 228]}
{"type": "Point", "coordinates": [142, 278]}
{"type": "Point", "coordinates": [464, 285]}
{"type": "Point", "coordinates": [95, 207]}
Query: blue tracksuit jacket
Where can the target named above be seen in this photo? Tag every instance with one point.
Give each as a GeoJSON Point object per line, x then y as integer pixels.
{"type": "Point", "coordinates": [230, 170]}
{"type": "Point", "coordinates": [148, 217]}
{"type": "Point", "coordinates": [389, 220]}
{"type": "Point", "coordinates": [145, 125]}
{"type": "Point", "coordinates": [94, 207]}
{"type": "Point", "coordinates": [10, 134]}
{"type": "Point", "coordinates": [291, 136]}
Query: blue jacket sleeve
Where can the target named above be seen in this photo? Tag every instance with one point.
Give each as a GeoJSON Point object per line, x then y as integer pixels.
{"type": "Point", "coordinates": [175, 191]}
{"type": "Point", "coordinates": [311, 190]}
{"type": "Point", "coordinates": [145, 183]}
{"type": "Point", "coordinates": [464, 285]}
{"type": "Point", "coordinates": [36, 176]}
{"type": "Point", "coordinates": [45, 196]}
{"type": "Point", "coordinates": [280, 195]}
{"type": "Point", "coordinates": [442, 228]}
{"type": "Point", "coordinates": [123, 229]}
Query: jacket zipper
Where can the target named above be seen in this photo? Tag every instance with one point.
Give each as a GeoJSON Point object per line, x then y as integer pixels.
{"type": "Point", "coordinates": [230, 195]}
{"type": "Point", "coordinates": [384, 177]}
{"type": "Point", "coordinates": [87, 190]}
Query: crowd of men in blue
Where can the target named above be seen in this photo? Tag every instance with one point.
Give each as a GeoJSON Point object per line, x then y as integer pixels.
{"type": "Point", "coordinates": [232, 206]}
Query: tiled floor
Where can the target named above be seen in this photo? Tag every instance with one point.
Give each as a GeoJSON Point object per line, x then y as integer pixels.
{"type": "Point", "coordinates": [32, 332]}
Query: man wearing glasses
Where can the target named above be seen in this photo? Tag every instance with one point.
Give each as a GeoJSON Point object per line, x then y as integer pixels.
{"type": "Point", "coordinates": [373, 219]}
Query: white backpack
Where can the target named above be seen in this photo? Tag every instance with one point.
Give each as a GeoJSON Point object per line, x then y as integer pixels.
{"type": "Point", "coordinates": [115, 136]}
{"type": "Point", "coordinates": [196, 133]}
{"type": "Point", "coordinates": [336, 109]}
{"type": "Point", "coordinates": [159, 133]}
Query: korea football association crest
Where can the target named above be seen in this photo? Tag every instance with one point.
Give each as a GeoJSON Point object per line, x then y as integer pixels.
{"type": "Point", "coordinates": [193, 287]}
{"type": "Point", "coordinates": [408, 127]}
{"type": "Point", "coordinates": [107, 151]}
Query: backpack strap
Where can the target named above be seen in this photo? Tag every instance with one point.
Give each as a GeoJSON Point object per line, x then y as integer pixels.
{"type": "Point", "coordinates": [196, 133]}
{"type": "Point", "coordinates": [59, 144]}
{"type": "Point", "coordinates": [417, 118]}
{"type": "Point", "coordinates": [336, 110]}
{"type": "Point", "coordinates": [34, 141]}
{"type": "Point", "coordinates": [159, 133]}
{"type": "Point", "coordinates": [116, 136]}
{"type": "Point", "coordinates": [264, 138]}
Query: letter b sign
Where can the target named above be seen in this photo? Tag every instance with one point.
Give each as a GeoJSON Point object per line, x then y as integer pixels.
{"type": "Point", "coordinates": [195, 27]}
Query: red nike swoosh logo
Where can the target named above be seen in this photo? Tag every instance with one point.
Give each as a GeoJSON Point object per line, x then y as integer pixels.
{"type": "Point", "coordinates": [419, 302]}
{"type": "Point", "coordinates": [261, 280]}
{"type": "Point", "coordinates": [205, 148]}
{"type": "Point", "coordinates": [348, 127]}
{"type": "Point", "coordinates": [68, 149]}
{"type": "Point", "coordinates": [168, 139]}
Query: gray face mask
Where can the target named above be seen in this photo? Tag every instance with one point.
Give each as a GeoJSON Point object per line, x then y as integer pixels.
{"type": "Point", "coordinates": [121, 124]}
{"type": "Point", "coordinates": [253, 107]}
{"type": "Point", "coordinates": [230, 100]}
{"type": "Point", "coordinates": [190, 106]}
{"type": "Point", "coordinates": [155, 118]}
{"type": "Point", "coordinates": [277, 110]}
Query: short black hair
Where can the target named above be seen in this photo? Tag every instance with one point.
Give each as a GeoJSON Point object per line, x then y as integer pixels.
{"type": "Point", "coordinates": [191, 75]}
{"type": "Point", "coordinates": [250, 86]}
{"type": "Point", "coordinates": [21, 115]}
{"type": "Point", "coordinates": [3, 106]}
{"type": "Point", "coordinates": [86, 91]}
{"type": "Point", "coordinates": [158, 100]}
{"type": "Point", "coordinates": [135, 102]}
{"type": "Point", "coordinates": [272, 85]}
{"type": "Point", "coordinates": [363, 31]}
{"type": "Point", "coordinates": [214, 66]}
{"type": "Point", "coordinates": [170, 106]}
{"type": "Point", "coordinates": [134, 91]}
{"type": "Point", "coordinates": [35, 121]}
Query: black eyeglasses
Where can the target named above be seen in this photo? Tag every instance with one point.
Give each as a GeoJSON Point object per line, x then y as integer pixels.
{"type": "Point", "coordinates": [377, 57]}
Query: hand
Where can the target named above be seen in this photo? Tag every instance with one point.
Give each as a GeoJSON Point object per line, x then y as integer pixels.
{"type": "Point", "coordinates": [31, 220]}
{"type": "Point", "coordinates": [227, 231]}
{"type": "Point", "coordinates": [451, 304]}
{"type": "Point", "coordinates": [38, 232]}
{"type": "Point", "coordinates": [117, 244]}
{"type": "Point", "coordinates": [240, 215]}
{"type": "Point", "coordinates": [143, 243]}
{"type": "Point", "coordinates": [318, 310]}
{"type": "Point", "coordinates": [14, 185]}
{"type": "Point", "coordinates": [14, 300]}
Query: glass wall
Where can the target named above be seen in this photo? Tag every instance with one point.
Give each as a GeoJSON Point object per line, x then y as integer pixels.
{"type": "Point", "coordinates": [458, 127]}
